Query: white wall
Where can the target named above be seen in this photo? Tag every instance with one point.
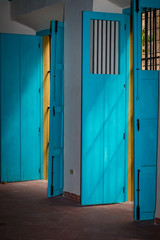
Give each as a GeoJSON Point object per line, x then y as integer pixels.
{"type": "Point", "coordinates": [72, 91]}
{"type": "Point", "coordinates": [157, 215]}
{"type": "Point", "coordinates": [105, 6]}
{"type": "Point", "coordinates": [9, 26]}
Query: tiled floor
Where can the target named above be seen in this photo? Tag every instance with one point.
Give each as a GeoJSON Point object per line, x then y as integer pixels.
{"type": "Point", "coordinates": [26, 213]}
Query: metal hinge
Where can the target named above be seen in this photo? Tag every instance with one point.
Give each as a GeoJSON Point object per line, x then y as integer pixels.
{"type": "Point", "coordinates": [39, 170]}
{"type": "Point", "coordinates": [125, 27]}
{"type": "Point", "coordinates": [39, 45]}
{"type": "Point", "coordinates": [124, 85]}
{"type": "Point", "coordinates": [124, 136]}
{"type": "Point", "coordinates": [56, 26]}
{"type": "Point", "coordinates": [39, 129]}
{"type": "Point", "coordinates": [39, 90]}
{"type": "Point", "coordinates": [123, 189]}
{"type": "Point", "coordinates": [52, 189]}
{"type": "Point", "coordinates": [137, 6]}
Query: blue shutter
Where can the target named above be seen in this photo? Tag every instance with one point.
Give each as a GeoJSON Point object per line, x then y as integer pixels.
{"type": "Point", "coordinates": [145, 124]}
{"type": "Point", "coordinates": [55, 169]}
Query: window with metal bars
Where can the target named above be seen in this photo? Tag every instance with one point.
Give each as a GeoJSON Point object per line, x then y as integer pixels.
{"type": "Point", "coordinates": [150, 39]}
{"type": "Point", "coordinates": [104, 47]}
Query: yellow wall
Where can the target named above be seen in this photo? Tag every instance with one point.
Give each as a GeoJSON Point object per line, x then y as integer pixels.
{"type": "Point", "coordinates": [130, 124]}
{"type": "Point", "coordinates": [46, 102]}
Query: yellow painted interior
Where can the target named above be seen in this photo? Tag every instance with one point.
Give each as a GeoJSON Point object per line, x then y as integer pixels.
{"type": "Point", "coordinates": [46, 102]}
{"type": "Point", "coordinates": [130, 123]}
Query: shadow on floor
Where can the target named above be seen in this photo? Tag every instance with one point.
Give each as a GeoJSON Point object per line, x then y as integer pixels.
{"type": "Point", "coordinates": [26, 213]}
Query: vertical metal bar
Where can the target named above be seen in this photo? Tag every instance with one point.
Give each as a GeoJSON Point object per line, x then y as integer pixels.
{"type": "Point", "coordinates": [155, 20]}
{"type": "Point", "coordinates": [117, 48]}
{"type": "Point", "coordinates": [150, 41]}
{"type": "Point", "coordinates": [95, 46]}
{"type": "Point", "coordinates": [99, 46]}
{"type": "Point", "coordinates": [153, 42]}
{"type": "Point", "coordinates": [112, 47]}
{"type": "Point", "coordinates": [146, 39]}
{"type": "Point", "coordinates": [104, 49]}
{"type": "Point", "coordinates": [91, 46]}
{"type": "Point", "coordinates": [108, 46]}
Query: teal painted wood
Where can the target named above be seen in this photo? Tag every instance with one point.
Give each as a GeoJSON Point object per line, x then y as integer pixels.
{"type": "Point", "coordinates": [127, 14]}
{"type": "Point", "coordinates": [10, 108]}
{"type": "Point", "coordinates": [31, 114]}
{"type": "Point", "coordinates": [103, 124]}
{"type": "Point", "coordinates": [46, 32]}
{"type": "Point", "coordinates": [146, 111]}
{"type": "Point", "coordinates": [55, 165]}
{"type": "Point", "coordinates": [21, 107]}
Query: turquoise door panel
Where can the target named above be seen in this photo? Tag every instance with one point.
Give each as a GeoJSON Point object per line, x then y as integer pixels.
{"type": "Point", "coordinates": [147, 94]}
{"type": "Point", "coordinates": [21, 79]}
{"type": "Point", "coordinates": [147, 159]}
{"type": "Point", "coordinates": [146, 87]}
{"type": "Point", "coordinates": [103, 169]}
{"type": "Point", "coordinates": [55, 169]}
{"type": "Point", "coordinates": [31, 52]}
{"type": "Point", "coordinates": [92, 141]}
{"type": "Point", "coordinates": [147, 192]}
{"type": "Point", "coordinates": [10, 108]}
{"type": "Point", "coordinates": [114, 144]}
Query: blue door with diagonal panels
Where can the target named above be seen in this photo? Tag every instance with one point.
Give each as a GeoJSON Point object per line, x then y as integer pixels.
{"type": "Point", "coordinates": [146, 66]}
{"type": "Point", "coordinates": [104, 98]}
{"type": "Point", "coordinates": [55, 167]}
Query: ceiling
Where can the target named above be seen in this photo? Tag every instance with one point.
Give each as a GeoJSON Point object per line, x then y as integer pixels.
{"type": "Point", "coordinates": [121, 3]}
{"type": "Point", "coordinates": [39, 19]}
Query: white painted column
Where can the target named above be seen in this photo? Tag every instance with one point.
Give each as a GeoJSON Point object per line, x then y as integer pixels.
{"type": "Point", "coordinates": [72, 92]}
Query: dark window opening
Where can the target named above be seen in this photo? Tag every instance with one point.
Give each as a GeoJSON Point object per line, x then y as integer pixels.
{"type": "Point", "coordinates": [150, 39]}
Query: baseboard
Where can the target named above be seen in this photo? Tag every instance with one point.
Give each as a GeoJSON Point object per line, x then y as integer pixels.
{"type": "Point", "coordinates": [157, 221]}
{"type": "Point", "coordinates": [72, 196]}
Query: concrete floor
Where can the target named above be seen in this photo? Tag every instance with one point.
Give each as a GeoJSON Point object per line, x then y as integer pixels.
{"type": "Point", "coordinates": [26, 213]}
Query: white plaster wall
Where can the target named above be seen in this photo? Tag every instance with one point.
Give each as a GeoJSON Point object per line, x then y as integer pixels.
{"type": "Point", "coordinates": [6, 23]}
{"type": "Point", "coordinates": [105, 6]}
{"type": "Point", "coordinates": [72, 91]}
{"type": "Point", "coordinates": [157, 215]}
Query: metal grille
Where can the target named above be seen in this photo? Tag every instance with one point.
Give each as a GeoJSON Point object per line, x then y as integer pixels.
{"type": "Point", "coordinates": [104, 42]}
{"type": "Point", "coordinates": [150, 39]}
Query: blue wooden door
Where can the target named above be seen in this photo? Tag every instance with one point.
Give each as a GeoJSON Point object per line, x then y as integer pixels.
{"type": "Point", "coordinates": [145, 111]}
{"type": "Point", "coordinates": [10, 108]}
{"type": "Point", "coordinates": [103, 108]}
{"type": "Point", "coordinates": [55, 169]}
{"type": "Point", "coordinates": [21, 79]}
{"type": "Point", "coordinates": [31, 109]}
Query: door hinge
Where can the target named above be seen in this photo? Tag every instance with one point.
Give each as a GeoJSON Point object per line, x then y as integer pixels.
{"type": "Point", "coordinates": [39, 129]}
{"type": "Point", "coordinates": [54, 112]}
{"type": "Point", "coordinates": [56, 26]}
{"type": "Point", "coordinates": [51, 189]}
{"type": "Point", "coordinates": [124, 136]}
{"type": "Point", "coordinates": [125, 27]}
{"type": "Point", "coordinates": [39, 90]}
{"type": "Point", "coordinates": [138, 190]}
{"type": "Point", "coordinates": [137, 6]}
{"type": "Point", "coordinates": [124, 85]}
{"type": "Point", "coordinates": [39, 170]}
{"type": "Point", "coordinates": [123, 189]}
{"type": "Point", "coordinates": [39, 45]}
